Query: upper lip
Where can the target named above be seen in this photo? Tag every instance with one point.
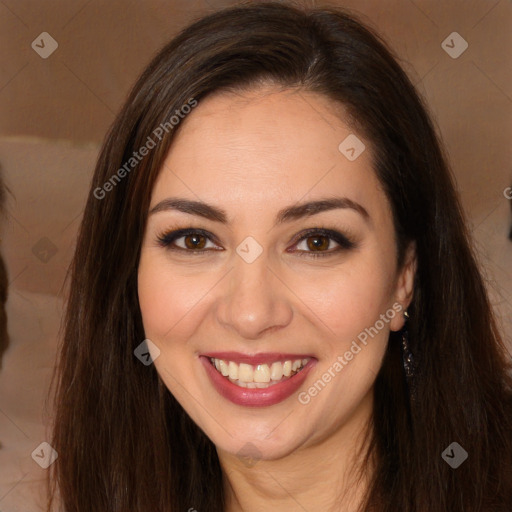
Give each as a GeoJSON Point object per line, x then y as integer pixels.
{"type": "Point", "coordinates": [253, 359]}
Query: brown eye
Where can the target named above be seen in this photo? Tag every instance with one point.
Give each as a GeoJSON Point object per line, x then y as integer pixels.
{"type": "Point", "coordinates": [187, 240]}
{"type": "Point", "coordinates": [317, 243]}
{"type": "Point", "coordinates": [194, 241]}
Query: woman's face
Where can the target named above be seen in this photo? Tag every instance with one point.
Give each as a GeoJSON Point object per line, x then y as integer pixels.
{"type": "Point", "coordinates": [270, 287]}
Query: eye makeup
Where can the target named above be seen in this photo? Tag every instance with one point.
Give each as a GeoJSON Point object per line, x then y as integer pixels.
{"type": "Point", "coordinates": [195, 241]}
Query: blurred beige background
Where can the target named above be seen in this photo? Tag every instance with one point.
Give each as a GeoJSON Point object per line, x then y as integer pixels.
{"type": "Point", "coordinates": [55, 111]}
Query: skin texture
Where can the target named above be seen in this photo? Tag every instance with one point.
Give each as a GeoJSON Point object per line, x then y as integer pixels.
{"type": "Point", "coordinates": [253, 154]}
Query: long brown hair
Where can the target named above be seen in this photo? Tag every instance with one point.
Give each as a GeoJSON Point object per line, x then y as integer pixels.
{"type": "Point", "coordinates": [124, 443]}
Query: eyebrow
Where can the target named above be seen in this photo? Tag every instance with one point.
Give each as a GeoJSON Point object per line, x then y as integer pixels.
{"type": "Point", "coordinates": [287, 214]}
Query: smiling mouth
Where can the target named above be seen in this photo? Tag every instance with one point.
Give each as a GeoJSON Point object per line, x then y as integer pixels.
{"type": "Point", "coordinates": [259, 375]}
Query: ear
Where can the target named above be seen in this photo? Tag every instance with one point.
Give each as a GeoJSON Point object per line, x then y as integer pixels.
{"type": "Point", "coordinates": [405, 286]}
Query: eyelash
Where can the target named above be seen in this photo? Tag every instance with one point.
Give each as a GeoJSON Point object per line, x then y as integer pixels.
{"type": "Point", "coordinates": [166, 239]}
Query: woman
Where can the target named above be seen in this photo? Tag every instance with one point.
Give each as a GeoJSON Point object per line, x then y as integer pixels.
{"type": "Point", "coordinates": [273, 225]}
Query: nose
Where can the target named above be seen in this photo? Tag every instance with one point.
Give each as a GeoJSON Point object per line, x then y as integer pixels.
{"type": "Point", "coordinates": [255, 300]}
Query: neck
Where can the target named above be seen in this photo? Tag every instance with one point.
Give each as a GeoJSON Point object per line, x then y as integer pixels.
{"type": "Point", "coordinates": [327, 474]}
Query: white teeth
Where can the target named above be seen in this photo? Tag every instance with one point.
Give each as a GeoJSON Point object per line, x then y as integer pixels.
{"type": "Point", "coordinates": [245, 372]}
{"type": "Point", "coordinates": [224, 369]}
{"type": "Point", "coordinates": [296, 364]}
{"type": "Point", "coordinates": [262, 373]}
{"type": "Point", "coordinates": [276, 371]}
{"type": "Point", "coordinates": [258, 376]}
{"type": "Point", "coordinates": [233, 370]}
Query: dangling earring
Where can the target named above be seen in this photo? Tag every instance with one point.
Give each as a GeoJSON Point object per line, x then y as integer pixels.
{"type": "Point", "coordinates": [408, 359]}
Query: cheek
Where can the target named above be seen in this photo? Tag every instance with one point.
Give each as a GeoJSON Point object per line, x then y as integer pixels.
{"type": "Point", "coordinates": [353, 297]}
{"type": "Point", "coordinates": [169, 305]}
{"type": "Point", "coordinates": [155, 299]}
{"type": "Point", "coordinates": [166, 298]}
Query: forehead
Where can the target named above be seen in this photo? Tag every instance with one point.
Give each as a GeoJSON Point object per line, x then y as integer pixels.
{"type": "Point", "coordinates": [263, 147]}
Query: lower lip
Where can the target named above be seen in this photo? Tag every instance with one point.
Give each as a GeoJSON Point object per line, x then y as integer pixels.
{"type": "Point", "coordinates": [255, 397]}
